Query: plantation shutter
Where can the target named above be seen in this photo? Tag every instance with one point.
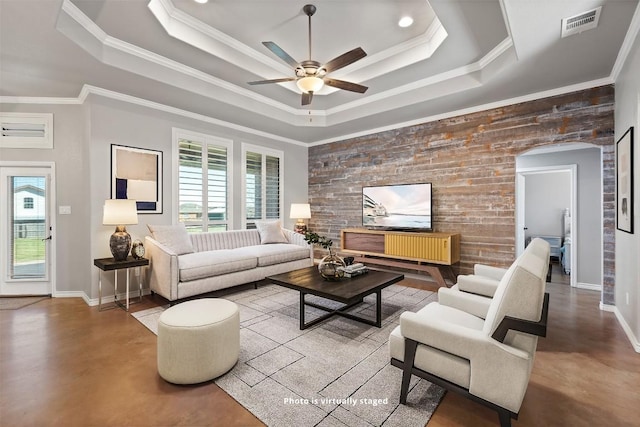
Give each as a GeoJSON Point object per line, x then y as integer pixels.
{"type": "Point", "coordinates": [272, 187]}
{"type": "Point", "coordinates": [217, 186]}
{"type": "Point", "coordinates": [263, 192]}
{"type": "Point", "coordinates": [202, 185]}
{"type": "Point", "coordinates": [253, 190]}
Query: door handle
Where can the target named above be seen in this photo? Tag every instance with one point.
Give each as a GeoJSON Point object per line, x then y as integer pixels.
{"type": "Point", "coordinates": [47, 238]}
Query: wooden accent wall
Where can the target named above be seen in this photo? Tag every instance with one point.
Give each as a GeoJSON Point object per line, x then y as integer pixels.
{"type": "Point", "coordinates": [470, 160]}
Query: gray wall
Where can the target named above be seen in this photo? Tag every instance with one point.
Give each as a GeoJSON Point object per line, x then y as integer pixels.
{"type": "Point", "coordinates": [82, 142]}
{"type": "Point", "coordinates": [547, 195]}
{"type": "Point", "coordinates": [589, 210]}
{"type": "Point", "coordinates": [628, 245]}
{"type": "Point", "coordinates": [70, 154]}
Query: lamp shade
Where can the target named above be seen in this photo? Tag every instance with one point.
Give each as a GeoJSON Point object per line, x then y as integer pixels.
{"type": "Point", "coordinates": [310, 84]}
{"type": "Point", "coordinates": [120, 212]}
{"type": "Point", "coordinates": [300, 211]}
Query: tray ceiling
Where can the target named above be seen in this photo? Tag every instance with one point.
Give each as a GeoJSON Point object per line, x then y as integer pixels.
{"type": "Point", "coordinates": [197, 58]}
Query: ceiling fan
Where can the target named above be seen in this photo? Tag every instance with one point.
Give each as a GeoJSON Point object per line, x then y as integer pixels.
{"type": "Point", "coordinates": [310, 75]}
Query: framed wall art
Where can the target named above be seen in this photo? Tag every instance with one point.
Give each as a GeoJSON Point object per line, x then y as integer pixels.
{"type": "Point", "coordinates": [624, 182]}
{"type": "Point", "coordinates": [136, 173]}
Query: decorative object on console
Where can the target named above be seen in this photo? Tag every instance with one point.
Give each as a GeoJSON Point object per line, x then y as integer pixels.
{"type": "Point", "coordinates": [353, 270]}
{"type": "Point", "coordinates": [120, 213]}
{"type": "Point", "coordinates": [624, 182]}
{"type": "Point", "coordinates": [331, 267]}
{"type": "Point", "coordinates": [136, 174]}
{"type": "Point", "coordinates": [137, 250]}
{"type": "Point", "coordinates": [300, 211]}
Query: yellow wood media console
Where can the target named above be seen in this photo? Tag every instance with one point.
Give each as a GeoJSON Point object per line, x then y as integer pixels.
{"type": "Point", "coordinates": [442, 249]}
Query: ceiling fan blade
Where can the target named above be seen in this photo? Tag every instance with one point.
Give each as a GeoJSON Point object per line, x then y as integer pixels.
{"type": "Point", "coordinates": [281, 53]}
{"type": "Point", "coordinates": [345, 59]}
{"type": "Point", "coordinates": [306, 98]}
{"type": "Point", "coordinates": [263, 82]}
{"type": "Point", "coordinates": [341, 84]}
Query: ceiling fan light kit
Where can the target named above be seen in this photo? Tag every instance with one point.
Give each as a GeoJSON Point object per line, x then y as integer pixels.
{"type": "Point", "coordinates": [310, 84]}
{"type": "Point", "coordinates": [310, 74]}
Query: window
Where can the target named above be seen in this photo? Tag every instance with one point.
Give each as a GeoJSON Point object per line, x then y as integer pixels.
{"type": "Point", "coordinates": [203, 181]}
{"type": "Point", "coordinates": [262, 186]}
{"type": "Point", "coordinates": [27, 203]}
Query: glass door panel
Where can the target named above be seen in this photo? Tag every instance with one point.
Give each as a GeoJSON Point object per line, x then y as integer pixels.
{"type": "Point", "coordinates": [26, 231]}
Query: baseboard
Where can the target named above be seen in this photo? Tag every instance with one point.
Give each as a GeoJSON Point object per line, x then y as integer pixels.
{"type": "Point", "coordinates": [635, 343]}
{"type": "Point", "coordinates": [589, 286]}
{"type": "Point", "coordinates": [71, 294]}
{"type": "Point", "coordinates": [133, 294]}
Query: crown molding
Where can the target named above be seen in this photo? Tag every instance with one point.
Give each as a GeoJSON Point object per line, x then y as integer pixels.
{"type": "Point", "coordinates": [459, 79]}
{"type": "Point", "coordinates": [49, 100]}
{"type": "Point", "coordinates": [627, 44]}
{"type": "Point", "coordinates": [106, 93]}
{"type": "Point", "coordinates": [117, 53]}
{"type": "Point", "coordinates": [194, 32]}
{"type": "Point", "coordinates": [89, 90]}
{"type": "Point", "coordinates": [471, 110]}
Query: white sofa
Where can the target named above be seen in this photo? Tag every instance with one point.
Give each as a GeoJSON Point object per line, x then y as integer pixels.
{"type": "Point", "coordinates": [183, 265]}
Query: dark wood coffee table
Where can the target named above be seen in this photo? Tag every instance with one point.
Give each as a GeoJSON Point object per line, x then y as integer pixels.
{"type": "Point", "coordinates": [349, 291]}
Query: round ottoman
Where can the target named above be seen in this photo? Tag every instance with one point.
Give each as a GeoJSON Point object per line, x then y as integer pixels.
{"type": "Point", "coordinates": [198, 340]}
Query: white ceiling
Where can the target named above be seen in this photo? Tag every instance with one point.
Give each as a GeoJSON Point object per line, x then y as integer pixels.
{"type": "Point", "coordinates": [459, 55]}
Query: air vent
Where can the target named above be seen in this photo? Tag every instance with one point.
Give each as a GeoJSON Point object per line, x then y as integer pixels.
{"type": "Point", "coordinates": [26, 130]}
{"type": "Point", "coordinates": [582, 22]}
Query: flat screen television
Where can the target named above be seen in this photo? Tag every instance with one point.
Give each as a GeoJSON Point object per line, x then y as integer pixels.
{"type": "Point", "coordinates": [397, 207]}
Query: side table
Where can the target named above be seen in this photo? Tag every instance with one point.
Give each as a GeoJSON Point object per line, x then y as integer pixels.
{"type": "Point", "coordinates": [109, 264]}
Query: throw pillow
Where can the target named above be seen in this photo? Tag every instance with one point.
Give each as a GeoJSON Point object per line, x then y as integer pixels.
{"type": "Point", "coordinates": [271, 232]}
{"type": "Point", "coordinates": [175, 237]}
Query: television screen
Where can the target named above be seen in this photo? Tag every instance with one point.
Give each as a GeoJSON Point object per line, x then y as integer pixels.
{"type": "Point", "coordinates": [397, 207]}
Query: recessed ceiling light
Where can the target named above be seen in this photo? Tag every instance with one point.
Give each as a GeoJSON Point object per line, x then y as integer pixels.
{"type": "Point", "coordinates": [201, 1]}
{"type": "Point", "coordinates": [405, 21]}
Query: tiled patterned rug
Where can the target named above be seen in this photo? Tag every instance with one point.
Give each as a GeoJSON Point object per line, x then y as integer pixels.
{"type": "Point", "coordinates": [336, 373]}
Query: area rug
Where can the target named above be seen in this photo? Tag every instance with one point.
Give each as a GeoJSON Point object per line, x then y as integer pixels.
{"type": "Point", "coordinates": [336, 373]}
{"type": "Point", "coordinates": [14, 303]}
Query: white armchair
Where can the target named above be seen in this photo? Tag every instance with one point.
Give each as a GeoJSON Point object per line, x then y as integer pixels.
{"type": "Point", "coordinates": [473, 292]}
{"type": "Point", "coordinates": [487, 360]}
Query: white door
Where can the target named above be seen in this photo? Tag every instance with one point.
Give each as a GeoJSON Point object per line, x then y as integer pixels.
{"type": "Point", "coordinates": [26, 230]}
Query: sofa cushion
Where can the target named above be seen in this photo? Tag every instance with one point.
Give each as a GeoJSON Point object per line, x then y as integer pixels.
{"type": "Point", "coordinates": [445, 365]}
{"type": "Point", "coordinates": [174, 237]}
{"type": "Point", "coordinates": [271, 232]}
{"type": "Point", "coordinates": [277, 253]}
{"type": "Point", "coordinates": [457, 317]}
{"type": "Point", "coordinates": [478, 284]}
{"type": "Point", "coordinates": [214, 263]}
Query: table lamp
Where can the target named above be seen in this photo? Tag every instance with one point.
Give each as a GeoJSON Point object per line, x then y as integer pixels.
{"type": "Point", "coordinates": [300, 211]}
{"type": "Point", "coordinates": [120, 212]}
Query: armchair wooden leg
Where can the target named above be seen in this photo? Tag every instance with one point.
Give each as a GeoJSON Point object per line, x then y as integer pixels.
{"type": "Point", "coordinates": [505, 418]}
{"type": "Point", "coordinates": [409, 355]}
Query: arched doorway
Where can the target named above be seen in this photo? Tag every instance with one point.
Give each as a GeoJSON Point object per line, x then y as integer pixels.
{"type": "Point", "coordinates": [583, 162]}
